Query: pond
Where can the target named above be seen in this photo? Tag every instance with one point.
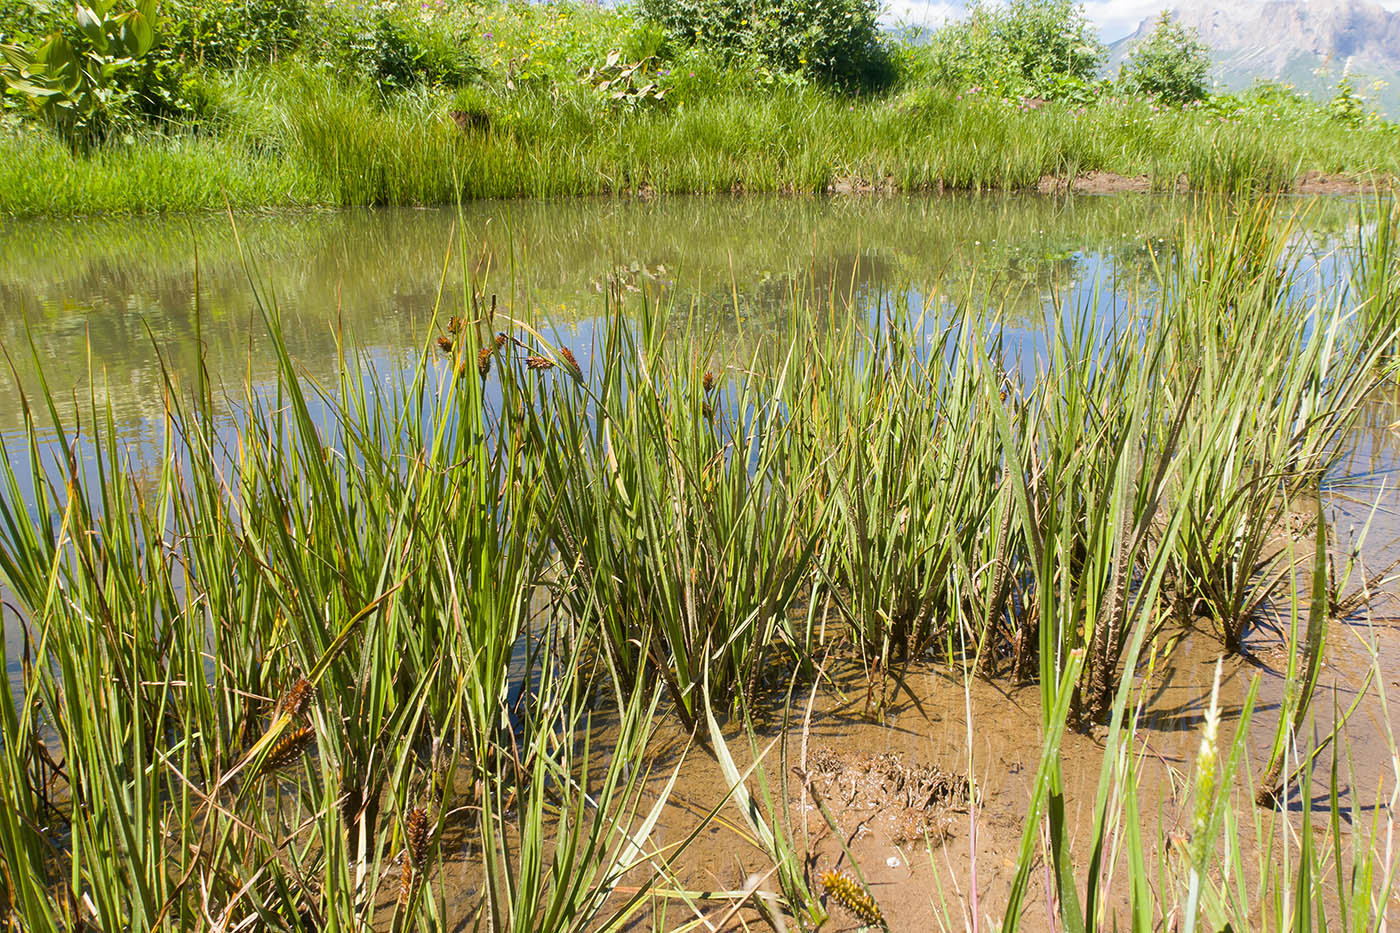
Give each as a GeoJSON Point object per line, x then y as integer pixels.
{"type": "Point", "coordinates": [112, 308]}
{"type": "Point", "coordinates": [118, 296]}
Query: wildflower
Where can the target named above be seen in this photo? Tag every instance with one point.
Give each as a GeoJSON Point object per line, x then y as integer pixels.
{"type": "Point", "coordinates": [415, 848]}
{"type": "Point", "coordinates": [569, 360]}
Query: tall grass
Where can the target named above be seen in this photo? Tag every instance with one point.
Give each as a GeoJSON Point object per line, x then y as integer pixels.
{"type": "Point", "coordinates": [292, 135]}
{"type": "Point", "coordinates": [270, 670]}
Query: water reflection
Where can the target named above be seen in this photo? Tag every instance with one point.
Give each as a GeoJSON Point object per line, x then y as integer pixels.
{"type": "Point", "coordinates": [119, 295]}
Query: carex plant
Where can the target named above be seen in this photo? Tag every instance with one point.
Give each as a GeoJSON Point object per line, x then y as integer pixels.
{"type": "Point", "coordinates": [1279, 378]}
{"type": "Point", "coordinates": [268, 661]}
{"type": "Point", "coordinates": [676, 500]}
{"type": "Point", "coordinates": [893, 415]}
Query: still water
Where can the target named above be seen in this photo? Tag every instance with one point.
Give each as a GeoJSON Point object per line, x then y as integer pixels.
{"type": "Point", "coordinates": [107, 302]}
{"type": "Point", "coordinates": [106, 307]}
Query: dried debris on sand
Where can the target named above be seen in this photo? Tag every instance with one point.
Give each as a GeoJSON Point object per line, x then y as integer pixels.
{"type": "Point", "coordinates": [914, 801]}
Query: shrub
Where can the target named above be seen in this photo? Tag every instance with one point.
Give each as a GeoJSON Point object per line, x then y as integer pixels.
{"type": "Point", "coordinates": [828, 41]}
{"type": "Point", "coordinates": [392, 46]}
{"type": "Point", "coordinates": [1170, 64]}
{"type": "Point", "coordinates": [1346, 107]}
{"type": "Point", "coordinates": [1028, 48]}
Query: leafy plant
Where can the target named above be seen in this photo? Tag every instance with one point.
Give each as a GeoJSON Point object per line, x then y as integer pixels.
{"type": "Point", "coordinates": [1346, 106]}
{"type": "Point", "coordinates": [1170, 64]}
{"type": "Point", "coordinates": [830, 41]}
{"type": "Point", "coordinates": [81, 85]}
{"type": "Point", "coordinates": [1025, 48]}
{"type": "Point", "coordinates": [389, 47]}
{"type": "Point", "coordinates": [623, 83]}
{"type": "Point", "coordinates": [233, 33]}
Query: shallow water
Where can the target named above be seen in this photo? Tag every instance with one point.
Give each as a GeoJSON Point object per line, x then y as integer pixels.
{"type": "Point", "coordinates": [110, 306]}
{"type": "Point", "coordinates": [116, 297]}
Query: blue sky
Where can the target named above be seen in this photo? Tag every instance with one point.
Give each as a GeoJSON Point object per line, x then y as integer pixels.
{"type": "Point", "coordinates": [1115, 18]}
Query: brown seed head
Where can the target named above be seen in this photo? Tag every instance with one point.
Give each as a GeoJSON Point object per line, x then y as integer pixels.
{"type": "Point", "coordinates": [415, 834]}
{"type": "Point", "coordinates": [847, 892]}
{"type": "Point", "coordinates": [709, 381]}
{"type": "Point", "coordinates": [445, 344]}
{"type": "Point", "coordinates": [501, 338]}
{"type": "Point", "coordinates": [289, 748]}
{"type": "Point", "coordinates": [294, 701]}
{"type": "Point", "coordinates": [483, 361]}
{"type": "Point", "coordinates": [539, 362]}
{"type": "Point", "coordinates": [568, 356]}
{"type": "Point", "coordinates": [455, 325]}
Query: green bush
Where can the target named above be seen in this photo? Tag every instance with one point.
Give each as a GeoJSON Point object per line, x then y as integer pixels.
{"type": "Point", "coordinates": [1346, 106]}
{"type": "Point", "coordinates": [392, 46]}
{"type": "Point", "coordinates": [1027, 48]}
{"type": "Point", "coordinates": [828, 41]}
{"type": "Point", "coordinates": [1170, 64]}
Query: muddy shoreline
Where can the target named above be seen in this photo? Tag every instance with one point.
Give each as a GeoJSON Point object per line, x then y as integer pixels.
{"type": "Point", "coordinates": [1308, 183]}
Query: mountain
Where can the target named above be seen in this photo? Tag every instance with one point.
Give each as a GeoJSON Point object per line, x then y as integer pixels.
{"type": "Point", "coordinates": [1307, 44]}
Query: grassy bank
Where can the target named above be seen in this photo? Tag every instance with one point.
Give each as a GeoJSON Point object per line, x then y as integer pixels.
{"type": "Point", "coordinates": [535, 118]}
{"type": "Point", "coordinates": [315, 141]}
{"type": "Point", "coordinates": [351, 635]}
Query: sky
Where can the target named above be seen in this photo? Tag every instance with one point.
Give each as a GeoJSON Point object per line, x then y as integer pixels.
{"type": "Point", "coordinates": [1115, 18]}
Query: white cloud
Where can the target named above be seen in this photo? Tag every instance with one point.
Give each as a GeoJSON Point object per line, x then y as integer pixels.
{"type": "Point", "coordinates": [1115, 18]}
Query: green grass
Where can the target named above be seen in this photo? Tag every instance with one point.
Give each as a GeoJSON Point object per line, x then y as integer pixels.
{"type": "Point", "coordinates": [291, 136]}
{"type": "Point", "coordinates": [300, 647]}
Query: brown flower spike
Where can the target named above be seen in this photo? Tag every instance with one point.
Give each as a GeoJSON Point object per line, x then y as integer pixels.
{"type": "Point", "coordinates": [289, 748]}
{"type": "Point", "coordinates": [415, 850]}
{"type": "Point", "coordinates": [416, 836]}
{"type": "Point", "coordinates": [295, 700]}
